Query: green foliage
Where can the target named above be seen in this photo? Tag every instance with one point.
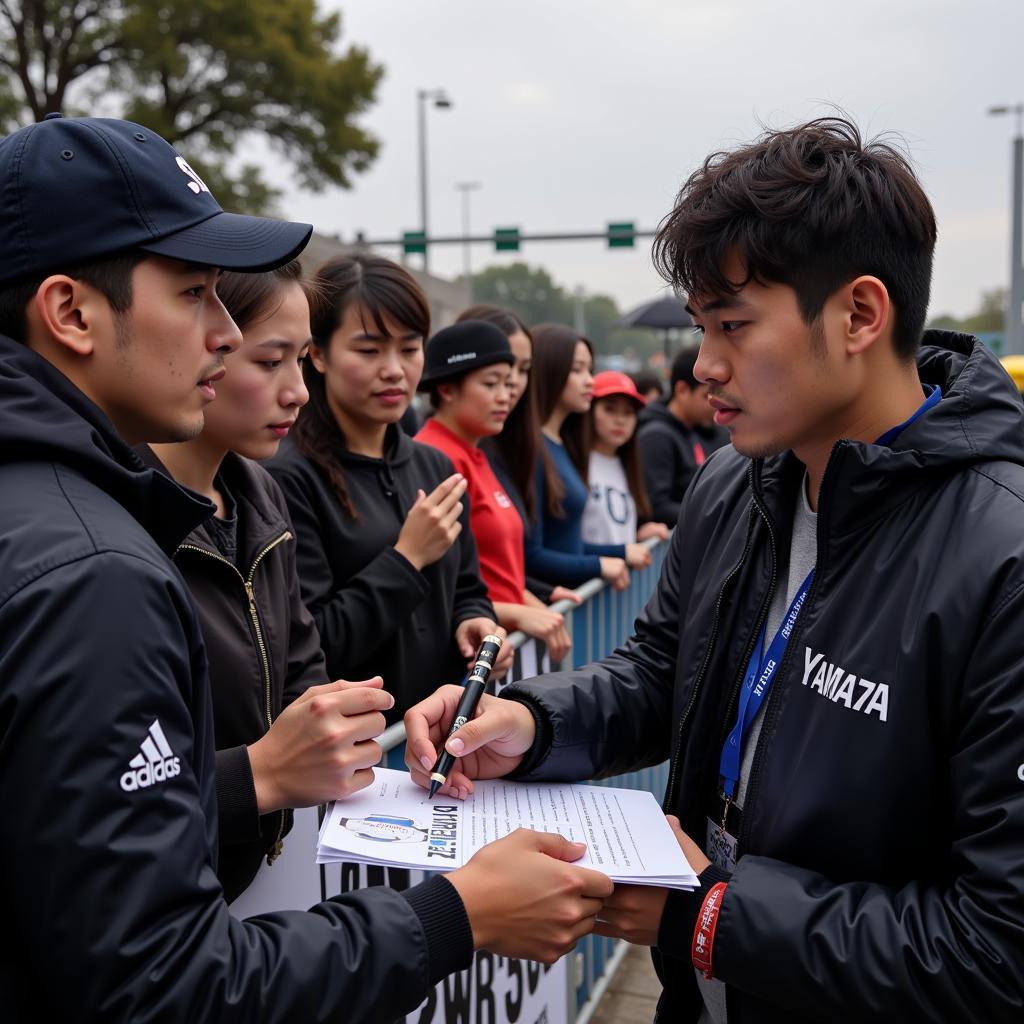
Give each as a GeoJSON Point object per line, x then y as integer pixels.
{"type": "Point", "coordinates": [528, 291]}
{"type": "Point", "coordinates": [536, 298]}
{"type": "Point", "coordinates": [205, 74]}
{"type": "Point", "coordinates": [990, 315]}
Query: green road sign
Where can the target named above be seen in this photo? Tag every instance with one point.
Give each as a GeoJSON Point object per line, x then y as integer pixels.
{"type": "Point", "coordinates": [506, 239]}
{"type": "Point", "coordinates": [414, 241]}
{"type": "Point", "coordinates": [621, 236]}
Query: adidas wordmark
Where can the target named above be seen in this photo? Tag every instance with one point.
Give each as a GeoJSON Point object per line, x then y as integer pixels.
{"type": "Point", "coordinates": [155, 762]}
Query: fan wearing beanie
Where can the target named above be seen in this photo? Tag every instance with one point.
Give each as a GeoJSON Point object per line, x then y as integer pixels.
{"type": "Point", "coordinates": [467, 372]}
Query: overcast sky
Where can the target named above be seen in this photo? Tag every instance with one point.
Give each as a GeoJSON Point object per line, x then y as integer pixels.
{"type": "Point", "coordinates": [572, 114]}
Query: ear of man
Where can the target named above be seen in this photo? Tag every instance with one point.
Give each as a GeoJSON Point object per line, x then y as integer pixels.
{"type": "Point", "coordinates": [65, 317]}
{"type": "Point", "coordinates": [866, 310]}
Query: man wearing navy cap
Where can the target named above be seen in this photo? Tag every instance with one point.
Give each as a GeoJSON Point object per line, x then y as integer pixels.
{"type": "Point", "coordinates": [111, 334]}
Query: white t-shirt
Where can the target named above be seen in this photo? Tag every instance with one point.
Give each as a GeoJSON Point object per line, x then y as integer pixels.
{"type": "Point", "coordinates": [610, 515]}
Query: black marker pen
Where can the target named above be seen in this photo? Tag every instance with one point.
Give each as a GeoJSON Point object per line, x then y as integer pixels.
{"type": "Point", "coordinates": [475, 685]}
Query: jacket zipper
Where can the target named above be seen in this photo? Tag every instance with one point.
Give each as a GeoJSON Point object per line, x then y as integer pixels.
{"type": "Point", "coordinates": [762, 616]}
{"type": "Point", "coordinates": [674, 772]}
{"type": "Point", "coordinates": [250, 593]}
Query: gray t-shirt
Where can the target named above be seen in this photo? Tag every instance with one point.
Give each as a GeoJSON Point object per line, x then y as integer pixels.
{"type": "Point", "coordinates": [802, 558]}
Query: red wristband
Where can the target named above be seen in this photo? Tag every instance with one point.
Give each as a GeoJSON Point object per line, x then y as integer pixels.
{"type": "Point", "coordinates": [704, 930]}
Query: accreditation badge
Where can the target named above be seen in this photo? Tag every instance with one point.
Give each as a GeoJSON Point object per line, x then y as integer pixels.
{"type": "Point", "coordinates": [720, 846]}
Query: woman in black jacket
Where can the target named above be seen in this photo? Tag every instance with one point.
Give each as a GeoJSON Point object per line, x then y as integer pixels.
{"type": "Point", "coordinates": [387, 564]}
{"type": "Point", "coordinates": [261, 643]}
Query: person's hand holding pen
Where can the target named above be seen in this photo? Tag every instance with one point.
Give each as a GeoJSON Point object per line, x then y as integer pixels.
{"type": "Point", "coordinates": [489, 746]}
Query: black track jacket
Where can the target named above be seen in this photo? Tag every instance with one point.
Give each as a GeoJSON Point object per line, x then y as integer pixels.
{"type": "Point", "coordinates": [109, 898]}
{"type": "Point", "coordinates": [377, 615]}
{"type": "Point", "coordinates": [263, 652]}
{"type": "Point", "coordinates": [669, 453]}
{"type": "Point", "coordinates": [881, 871]}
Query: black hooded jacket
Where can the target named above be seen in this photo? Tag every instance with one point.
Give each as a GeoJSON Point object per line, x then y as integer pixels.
{"type": "Point", "coordinates": [376, 613]}
{"type": "Point", "coordinates": [880, 873]}
{"type": "Point", "coordinates": [111, 905]}
{"type": "Point", "coordinates": [672, 453]}
{"type": "Point", "coordinates": [263, 651]}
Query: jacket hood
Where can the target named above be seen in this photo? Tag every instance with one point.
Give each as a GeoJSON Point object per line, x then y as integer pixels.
{"type": "Point", "coordinates": [658, 412]}
{"type": "Point", "coordinates": [47, 419]}
{"type": "Point", "coordinates": [979, 419]}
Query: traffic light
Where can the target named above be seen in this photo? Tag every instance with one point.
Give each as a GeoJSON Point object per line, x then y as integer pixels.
{"type": "Point", "coordinates": [506, 239]}
{"type": "Point", "coordinates": [622, 235]}
{"type": "Point", "coordinates": [414, 241]}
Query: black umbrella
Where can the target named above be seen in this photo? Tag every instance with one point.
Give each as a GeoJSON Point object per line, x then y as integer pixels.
{"type": "Point", "coordinates": [664, 314]}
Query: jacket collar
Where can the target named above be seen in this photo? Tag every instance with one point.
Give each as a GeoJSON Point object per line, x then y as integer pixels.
{"type": "Point", "coordinates": [979, 419]}
{"type": "Point", "coordinates": [259, 520]}
{"type": "Point", "coordinates": [46, 418]}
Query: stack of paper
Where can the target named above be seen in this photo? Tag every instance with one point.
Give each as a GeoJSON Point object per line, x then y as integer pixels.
{"type": "Point", "coordinates": [393, 822]}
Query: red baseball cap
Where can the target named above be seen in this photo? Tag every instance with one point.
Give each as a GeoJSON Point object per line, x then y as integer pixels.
{"type": "Point", "coordinates": [612, 382]}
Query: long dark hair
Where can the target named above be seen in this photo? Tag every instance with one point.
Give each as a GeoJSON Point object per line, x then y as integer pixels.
{"type": "Point", "coordinates": [252, 297]}
{"type": "Point", "coordinates": [517, 444]}
{"type": "Point", "coordinates": [554, 348]}
{"type": "Point", "coordinates": [379, 288]}
{"type": "Point", "coordinates": [632, 463]}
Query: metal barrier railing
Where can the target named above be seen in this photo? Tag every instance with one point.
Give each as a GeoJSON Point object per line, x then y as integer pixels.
{"type": "Point", "coordinates": [597, 626]}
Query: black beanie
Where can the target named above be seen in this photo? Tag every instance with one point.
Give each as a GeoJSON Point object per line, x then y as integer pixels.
{"type": "Point", "coordinates": [462, 347]}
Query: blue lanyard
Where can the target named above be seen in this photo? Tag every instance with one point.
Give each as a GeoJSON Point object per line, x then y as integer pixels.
{"type": "Point", "coordinates": [761, 670]}
{"type": "Point", "coordinates": [757, 682]}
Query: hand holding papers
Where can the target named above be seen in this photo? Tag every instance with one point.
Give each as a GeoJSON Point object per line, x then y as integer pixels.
{"type": "Point", "coordinates": [392, 822]}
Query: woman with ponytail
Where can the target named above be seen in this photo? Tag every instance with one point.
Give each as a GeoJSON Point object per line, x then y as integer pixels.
{"type": "Point", "coordinates": [387, 564]}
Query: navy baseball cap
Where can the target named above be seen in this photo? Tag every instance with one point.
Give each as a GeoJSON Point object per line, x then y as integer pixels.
{"type": "Point", "coordinates": [79, 189]}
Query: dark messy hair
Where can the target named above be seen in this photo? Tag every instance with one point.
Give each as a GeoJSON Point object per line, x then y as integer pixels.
{"type": "Point", "coordinates": [517, 444]}
{"type": "Point", "coordinates": [249, 298]}
{"type": "Point", "coordinates": [554, 348]}
{"type": "Point", "coordinates": [380, 288]}
{"type": "Point", "coordinates": [811, 207]}
{"type": "Point", "coordinates": [682, 369]}
{"type": "Point", "coordinates": [648, 380]}
{"type": "Point", "coordinates": [111, 276]}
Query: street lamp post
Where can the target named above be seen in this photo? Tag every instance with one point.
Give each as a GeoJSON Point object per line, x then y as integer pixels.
{"type": "Point", "coordinates": [1014, 325]}
{"type": "Point", "coordinates": [439, 98]}
{"type": "Point", "coordinates": [465, 187]}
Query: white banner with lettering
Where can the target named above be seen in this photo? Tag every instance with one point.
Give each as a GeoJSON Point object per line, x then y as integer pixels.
{"type": "Point", "coordinates": [494, 990]}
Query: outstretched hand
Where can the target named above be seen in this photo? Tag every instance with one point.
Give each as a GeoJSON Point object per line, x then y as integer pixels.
{"type": "Point", "coordinates": [543, 904]}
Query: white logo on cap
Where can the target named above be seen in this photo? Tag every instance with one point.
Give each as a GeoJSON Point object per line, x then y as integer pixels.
{"type": "Point", "coordinates": [461, 357]}
{"type": "Point", "coordinates": [196, 184]}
